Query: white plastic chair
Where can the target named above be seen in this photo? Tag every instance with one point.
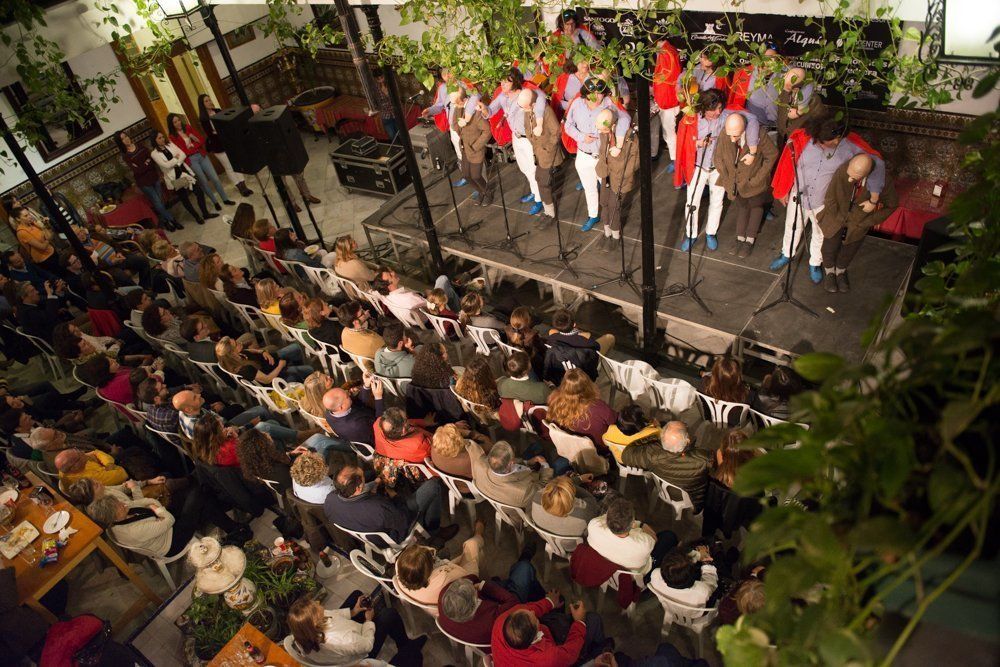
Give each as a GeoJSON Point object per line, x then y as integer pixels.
{"type": "Point", "coordinates": [251, 316]}
{"type": "Point", "coordinates": [395, 386]}
{"type": "Point", "coordinates": [508, 349]}
{"type": "Point", "coordinates": [671, 394]}
{"type": "Point", "coordinates": [161, 562]}
{"type": "Point", "coordinates": [286, 389]}
{"type": "Point", "coordinates": [482, 414]}
{"type": "Point", "coordinates": [442, 325]}
{"type": "Point", "coordinates": [271, 260]}
{"type": "Point", "coordinates": [211, 371]}
{"type": "Point", "coordinates": [486, 339]}
{"type": "Point", "coordinates": [291, 648]}
{"type": "Point", "coordinates": [677, 498]}
{"type": "Point", "coordinates": [263, 396]}
{"type": "Point", "coordinates": [472, 651]}
{"type": "Point", "coordinates": [364, 451]}
{"type": "Point", "coordinates": [175, 441]}
{"type": "Point", "coordinates": [624, 471]}
{"type": "Point", "coordinates": [511, 515]}
{"type": "Point", "coordinates": [695, 619]}
{"type": "Point", "coordinates": [719, 412]}
{"type": "Point", "coordinates": [412, 318]}
{"type": "Point", "coordinates": [317, 421]}
{"type": "Point", "coordinates": [391, 549]}
{"type": "Point", "coordinates": [275, 489]}
{"type": "Point", "coordinates": [350, 288]}
{"type": "Point", "coordinates": [323, 278]}
{"type": "Point", "coordinates": [79, 381]}
{"type": "Point", "coordinates": [621, 376]}
{"type": "Point", "coordinates": [613, 583]}
{"type": "Point", "coordinates": [364, 363]}
{"type": "Point", "coordinates": [455, 494]}
{"type": "Point", "coordinates": [329, 357]}
{"type": "Point", "coordinates": [48, 354]}
{"type": "Point", "coordinates": [556, 546]}
{"type": "Point", "coordinates": [274, 322]}
{"type": "Point", "coordinates": [578, 449]}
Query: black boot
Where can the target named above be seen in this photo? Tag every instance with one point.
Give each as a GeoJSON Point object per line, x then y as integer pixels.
{"type": "Point", "coordinates": [244, 190]}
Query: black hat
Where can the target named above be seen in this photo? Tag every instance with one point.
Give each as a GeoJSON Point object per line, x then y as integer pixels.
{"type": "Point", "coordinates": [595, 85]}
{"type": "Point", "coordinates": [569, 15]}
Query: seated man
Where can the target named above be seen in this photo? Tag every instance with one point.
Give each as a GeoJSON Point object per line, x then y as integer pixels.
{"type": "Point", "coordinates": [21, 271]}
{"type": "Point", "coordinates": [357, 506]}
{"type": "Point", "coordinates": [350, 418]}
{"type": "Point", "coordinates": [387, 283]}
{"type": "Point", "coordinates": [357, 338]}
{"type": "Point", "coordinates": [399, 441]}
{"type": "Point", "coordinates": [35, 315]}
{"type": "Point", "coordinates": [75, 464]}
{"type": "Point", "coordinates": [520, 637]}
{"type": "Point", "coordinates": [200, 345]}
{"type": "Point", "coordinates": [518, 385]}
{"type": "Point", "coordinates": [192, 253]}
{"type": "Point", "coordinates": [631, 544]}
{"type": "Point", "coordinates": [395, 360]}
{"type": "Point", "coordinates": [686, 575]}
{"type": "Point", "coordinates": [501, 477]}
{"type": "Point", "coordinates": [567, 344]}
{"type": "Point", "coordinates": [673, 460]}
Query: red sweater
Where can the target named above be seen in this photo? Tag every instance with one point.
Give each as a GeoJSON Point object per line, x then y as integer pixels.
{"type": "Point", "coordinates": [494, 600]}
{"type": "Point", "coordinates": [590, 569]}
{"type": "Point", "coordinates": [596, 423]}
{"type": "Point", "coordinates": [118, 388]}
{"type": "Point", "coordinates": [412, 448]}
{"type": "Point", "coordinates": [197, 141]}
{"type": "Point", "coordinates": [226, 456]}
{"type": "Point", "coordinates": [543, 653]}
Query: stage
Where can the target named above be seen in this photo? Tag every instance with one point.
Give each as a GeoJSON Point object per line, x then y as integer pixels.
{"type": "Point", "coordinates": [731, 288]}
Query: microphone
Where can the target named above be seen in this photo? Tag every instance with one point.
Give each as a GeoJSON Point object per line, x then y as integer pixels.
{"type": "Point", "coordinates": [413, 96]}
{"type": "Point", "coordinates": [437, 163]}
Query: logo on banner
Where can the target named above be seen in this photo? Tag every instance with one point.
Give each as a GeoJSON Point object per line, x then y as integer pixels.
{"type": "Point", "coordinates": [711, 33]}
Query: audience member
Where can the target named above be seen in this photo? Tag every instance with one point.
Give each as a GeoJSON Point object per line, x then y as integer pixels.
{"type": "Point", "coordinates": [686, 575]}
{"type": "Point", "coordinates": [262, 460]}
{"type": "Point", "coordinates": [347, 265]}
{"type": "Point", "coordinates": [395, 360]}
{"type": "Point", "coordinates": [357, 338]}
{"type": "Point", "coordinates": [569, 345]}
{"type": "Point", "coordinates": [310, 481]}
{"type": "Point", "coordinates": [503, 478]}
{"type": "Point", "coordinates": [576, 406]}
{"type": "Point", "coordinates": [518, 385]}
{"type": "Point", "coordinates": [521, 333]}
{"type": "Point", "coordinates": [399, 441]}
{"type": "Point", "coordinates": [620, 538]}
{"type": "Point", "coordinates": [213, 443]}
{"type": "Point", "coordinates": [776, 391]}
{"type": "Point", "coordinates": [632, 427]}
{"type": "Point", "coordinates": [522, 636]}
{"type": "Point", "coordinates": [257, 365]}
{"type": "Point", "coordinates": [725, 382]}
{"type": "Point", "coordinates": [431, 368]}
{"type": "Point", "coordinates": [268, 293]}
{"type": "Point", "coordinates": [478, 385]}
{"type": "Point", "coordinates": [449, 449]}
{"type": "Point", "coordinates": [673, 460]}
{"type": "Point", "coordinates": [474, 313]}
{"type": "Point", "coordinates": [564, 507]}
{"type": "Point", "coordinates": [350, 418]}
{"type": "Point", "coordinates": [421, 577]}
{"type": "Point", "coordinates": [75, 464]}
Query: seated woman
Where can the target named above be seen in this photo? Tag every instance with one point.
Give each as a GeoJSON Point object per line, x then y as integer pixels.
{"type": "Point", "coordinates": [236, 287]}
{"type": "Point", "coordinates": [268, 293]}
{"type": "Point", "coordinates": [69, 342]}
{"type": "Point", "coordinates": [563, 507]}
{"type": "Point", "coordinates": [521, 333]}
{"type": "Point", "coordinates": [316, 316]}
{"type": "Point", "coordinates": [437, 304]}
{"type": "Point", "coordinates": [110, 378]}
{"type": "Point", "coordinates": [687, 575]}
{"type": "Point", "coordinates": [290, 307]}
{"type": "Point", "coordinates": [347, 265]}
{"type": "Point", "coordinates": [776, 391]}
{"type": "Point", "coordinates": [431, 368]}
{"type": "Point", "coordinates": [259, 366]}
{"type": "Point", "coordinates": [213, 443]}
{"type": "Point", "coordinates": [288, 246]}
{"type": "Point", "coordinates": [161, 323]}
{"type": "Point", "coordinates": [575, 406]}
{"type": "Point", "coordinates": [448, 449]}
{"type": "Point", "coordinates": [243, 220]}
{"type": "Point", "coordinates": [171, 261]}
{"type": "Point", "coordinates": [349, 635]}
{"type": "Point", "coordinates": [478, 385]}
{"type": "Point", "coordinates": [210, 270]}
{"type": "Point", "coordinates": [314, 387]}
{"type": "Point", "coordinates": [723, 509]}
{"type": "Point", "coordinates": [261, 459]}
{"type": "Point", "coordinates": [474, 313]}
{"type": "Point", "coordinates": [146, 524]}
{"type": "Point", "coordinates": [725, 382]}
{"type": "Point", "coordinates": [421, 577]}
{"type": "Point", "coordinates": [311, 479]}
{"type": "Point", "coordinates": [632, 427]}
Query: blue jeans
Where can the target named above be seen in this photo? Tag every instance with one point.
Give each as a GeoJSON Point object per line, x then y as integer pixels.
{"type": "Point", "coordinates": [322, 443]}
{"type": "Point", "coordinates": [522, 582]}
{"type": "Point", "coordinates": [291, 353]}
{"type": "Point", "coordinates": [247, 416]}
{"type": "Point", "coordinates": [454, 302]}
{"type": "Point", "coordinates": [284, 435]}
{"type": "Point", "coordinates": [207, 177]}
{"type": "Point", "coordinates": [560, 464]}
{"type": "Point", "coordinates": [390, 128]}
{"type": "Point", "coordinates": [155, 198]}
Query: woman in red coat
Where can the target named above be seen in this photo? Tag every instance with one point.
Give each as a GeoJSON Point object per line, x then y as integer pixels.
{"type": "Point", "coordinates": [193, 145]}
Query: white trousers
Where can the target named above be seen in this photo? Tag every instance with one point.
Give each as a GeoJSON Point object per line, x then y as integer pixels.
{"type": "Point", "coordinates": [586, 168]}
{"type": "Point", "coordinates": [525, 156]}
{"type": "Point", "coordinates": [456, 141]}
{"type": "Point", "coordinates": [716, 196]}
{"type": "Point", "coordinates": [789, 246]}
{"type": "Point", "coordinates": [668, 119]}
{"type": "Point", "coordinates": [227, 166]}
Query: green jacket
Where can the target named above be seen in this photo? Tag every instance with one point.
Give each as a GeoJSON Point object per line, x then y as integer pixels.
{"type": "Point", "coordinates": [688, 470]}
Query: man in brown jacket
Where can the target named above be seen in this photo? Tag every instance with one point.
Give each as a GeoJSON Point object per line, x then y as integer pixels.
{"type": "Point", "coordinates": [546, 142]}
{"type": "Point", "coordinates": [618, 162]}
{"type": "Point", "coordinates": [797, 101]}
{"type": "Point", "coordinates": [474, 133]}
{"type": "Point", "coordinates": [746, 178]}
{"type": "Point", "coordinates": [847, 215]}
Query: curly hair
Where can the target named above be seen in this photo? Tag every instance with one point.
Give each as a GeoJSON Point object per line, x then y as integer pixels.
{"type": "Point", "coordinates": [257, 454]}
{"type": "Point", "coordinates": [308, 469]}
{"type": "Point", "coordinates": [431, 368]}
{"type": "Point", "coordinates": [448, 441]}
{"type": "Point", "coordinates": [209, 270]}
{"type": "Point", "coordinates": [569, 404]}
{"type": "Point", "coordinates": [478, 385]}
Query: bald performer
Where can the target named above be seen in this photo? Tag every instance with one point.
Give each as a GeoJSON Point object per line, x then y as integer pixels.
{"type": "Point", "coordinates": [747, 185]}
{"type": "Point", "coordinates": [349, 417]}
{"type": "Point", "coordinates": [546, 143]}
{"type": "Point", "coordinates": [848, 213]}
{"type": "Point", "coordinates": [474, 134]}
{"type": "Point", "coordinates": [796, 101]}
{"type": "Point", "coordinates": [617, 164]}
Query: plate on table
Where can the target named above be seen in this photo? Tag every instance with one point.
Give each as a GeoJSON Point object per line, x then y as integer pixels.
{"type": "Point", "coordinates": [311, 249]}
{"type": "Point", "coordinates": [56, 522]}
{"type": "Point", "coordinates": [107, 208]}
{"type": "Point", "coordinates": [8, 496]}
{"type": "Point", "coordinates": [13, 542]}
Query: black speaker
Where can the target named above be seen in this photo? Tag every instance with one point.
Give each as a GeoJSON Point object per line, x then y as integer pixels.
{"type": "Point", "coordinates": [233, 127]}
{"type": "Point", "coordinates": [935, 235]}
{"type": "Point", "coordinates": [276, 136]}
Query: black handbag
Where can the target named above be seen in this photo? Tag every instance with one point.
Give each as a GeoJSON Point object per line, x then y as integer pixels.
{"type": "Point", "coordinates": [91, 654]}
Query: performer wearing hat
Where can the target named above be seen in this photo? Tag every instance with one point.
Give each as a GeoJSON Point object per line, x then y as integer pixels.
{"type": "Point", "coordinates": [618, 162]}
{"type": "Point", "coordinates": [797, 100]}
{"type": "Point", "coordinates": [580, 125]}
{"type": "Point", "coordinates": [442, 114]}
{"type": "Point", "coordinates": [849, 211]}
{"type": "Point", "coordinates": [507, 99]}
{"type": "Point", "coordinates": [815, 153]}
{"type": "Point", "coordinates": [711, 119]}
{"type": "Point", "coordinates": [545, 145]}
{"type": "Point", "coordinates": [475, 134]}
{"type": "Point", "coordinates": [570, 26]}
{"type": "Point", "coordinates": [746, 185]}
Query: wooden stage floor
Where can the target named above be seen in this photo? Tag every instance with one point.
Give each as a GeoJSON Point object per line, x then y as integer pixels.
{"type": "Point", "coordinates": [732, 288]}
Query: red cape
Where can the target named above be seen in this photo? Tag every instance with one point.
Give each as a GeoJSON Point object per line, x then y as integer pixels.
{"type": "Point", "coordinates": [687, 152]}
{"type": "Point", "coordinates": [441, 119]}
{"type": "Point", "coordinates": [784, 176]}
{"type": "Point", "coordinates": [668, 68]}
{"type": "Point", "coordinates": [740, 88]}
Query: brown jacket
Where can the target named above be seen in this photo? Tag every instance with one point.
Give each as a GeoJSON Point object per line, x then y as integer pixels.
{"type": "Point", "coordinates": [788, 125]}
{"type": "Point", "coordinates": [838, 212]}
{"type": "Point", "coordinates": [740, 179]}
{"type": "Point", "coordinates": [621, 169]}
{"type": "Point", "coordinates": [475, 135]}
{"type": "Point", "coordinates": [548, 147]}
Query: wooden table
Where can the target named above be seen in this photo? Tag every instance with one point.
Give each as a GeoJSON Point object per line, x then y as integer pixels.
{"type": "Point", "coordinates": [234, 651]}
{"type": "Point", "coordinates": [33, 581]}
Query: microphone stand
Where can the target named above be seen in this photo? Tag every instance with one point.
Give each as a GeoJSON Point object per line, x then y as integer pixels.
{"type": "Point", "coordinates": [625, 277]}
{"type": "Point", "coordinates": [411, 101]}
{"type": "Point", "coordinates": [319, 234]}
{"type": "Point", "coordinates": [786, 289]}
{"type": "Point", "coordinates": [509, 242]}
{"type": "Point", "coordinates": [565, 255]}
{"type": "Point", "coordinates": [463, 232]}
{"type": "Point", "coordinates": [691, 288]}
{"type": "Point", "coordinates": [267, 200]}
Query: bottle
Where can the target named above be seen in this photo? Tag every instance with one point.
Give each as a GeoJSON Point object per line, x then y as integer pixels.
{"type": "Point", "coordinates": [254, 653]}
{"type": "Point", "coordinates": [325, 558]}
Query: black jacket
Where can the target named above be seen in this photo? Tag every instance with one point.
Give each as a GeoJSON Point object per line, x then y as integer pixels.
{"type": "Point", "coordinates": [228, 483]}
{"type": "Point", "coordinates": [568, 351]}
{"type": "Point", "coordinates": [202, 351]}
{"type": "Point", "coordinates": [39, 320]}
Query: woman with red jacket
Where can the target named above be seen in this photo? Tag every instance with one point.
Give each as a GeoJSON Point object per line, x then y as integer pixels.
{"type": "Point", "coordinates": [193, 145]}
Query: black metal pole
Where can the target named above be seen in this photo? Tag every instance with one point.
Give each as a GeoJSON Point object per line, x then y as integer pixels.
{"type": "Point", "coordinates": [56, 215]}
{"type": "Point", "coordinates": [375, 26]}
{"type": "Point", "coordinates": [208, 12]}
{"type": "Point", "coordinates": [649, 296]}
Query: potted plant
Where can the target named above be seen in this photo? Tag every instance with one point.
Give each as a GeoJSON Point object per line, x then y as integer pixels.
{"type": "Point", "coordinates": [211, 623]}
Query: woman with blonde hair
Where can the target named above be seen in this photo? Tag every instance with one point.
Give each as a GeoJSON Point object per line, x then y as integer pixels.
{"type": "Point", "coordinates": [210, 270]}
{"type": "Point", "coordinates": [478, 384]}
{"type": "Point", "coordinates": [729, 457]}
{"type": "Point", "coordinates": [575, 406]}
{"type": "Point", "coordinates": [473, 313]}
{"type": "Point", "coordinates": [350, 634]}
{"type": "Point", "coordinates": [347, 264]}
{"type": "Point", "coordinates": [259, 366]}
{"type": "Point", "coordinates": [268, 294]}
{"type": "Point", "coordinates": [315, 386]}
{"type": "Point", "coordinates": [564, 508]}
{"type": "Point", "coordinates": [448, 449]}
{"type": "Point", "coordinates": [420, 576]}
